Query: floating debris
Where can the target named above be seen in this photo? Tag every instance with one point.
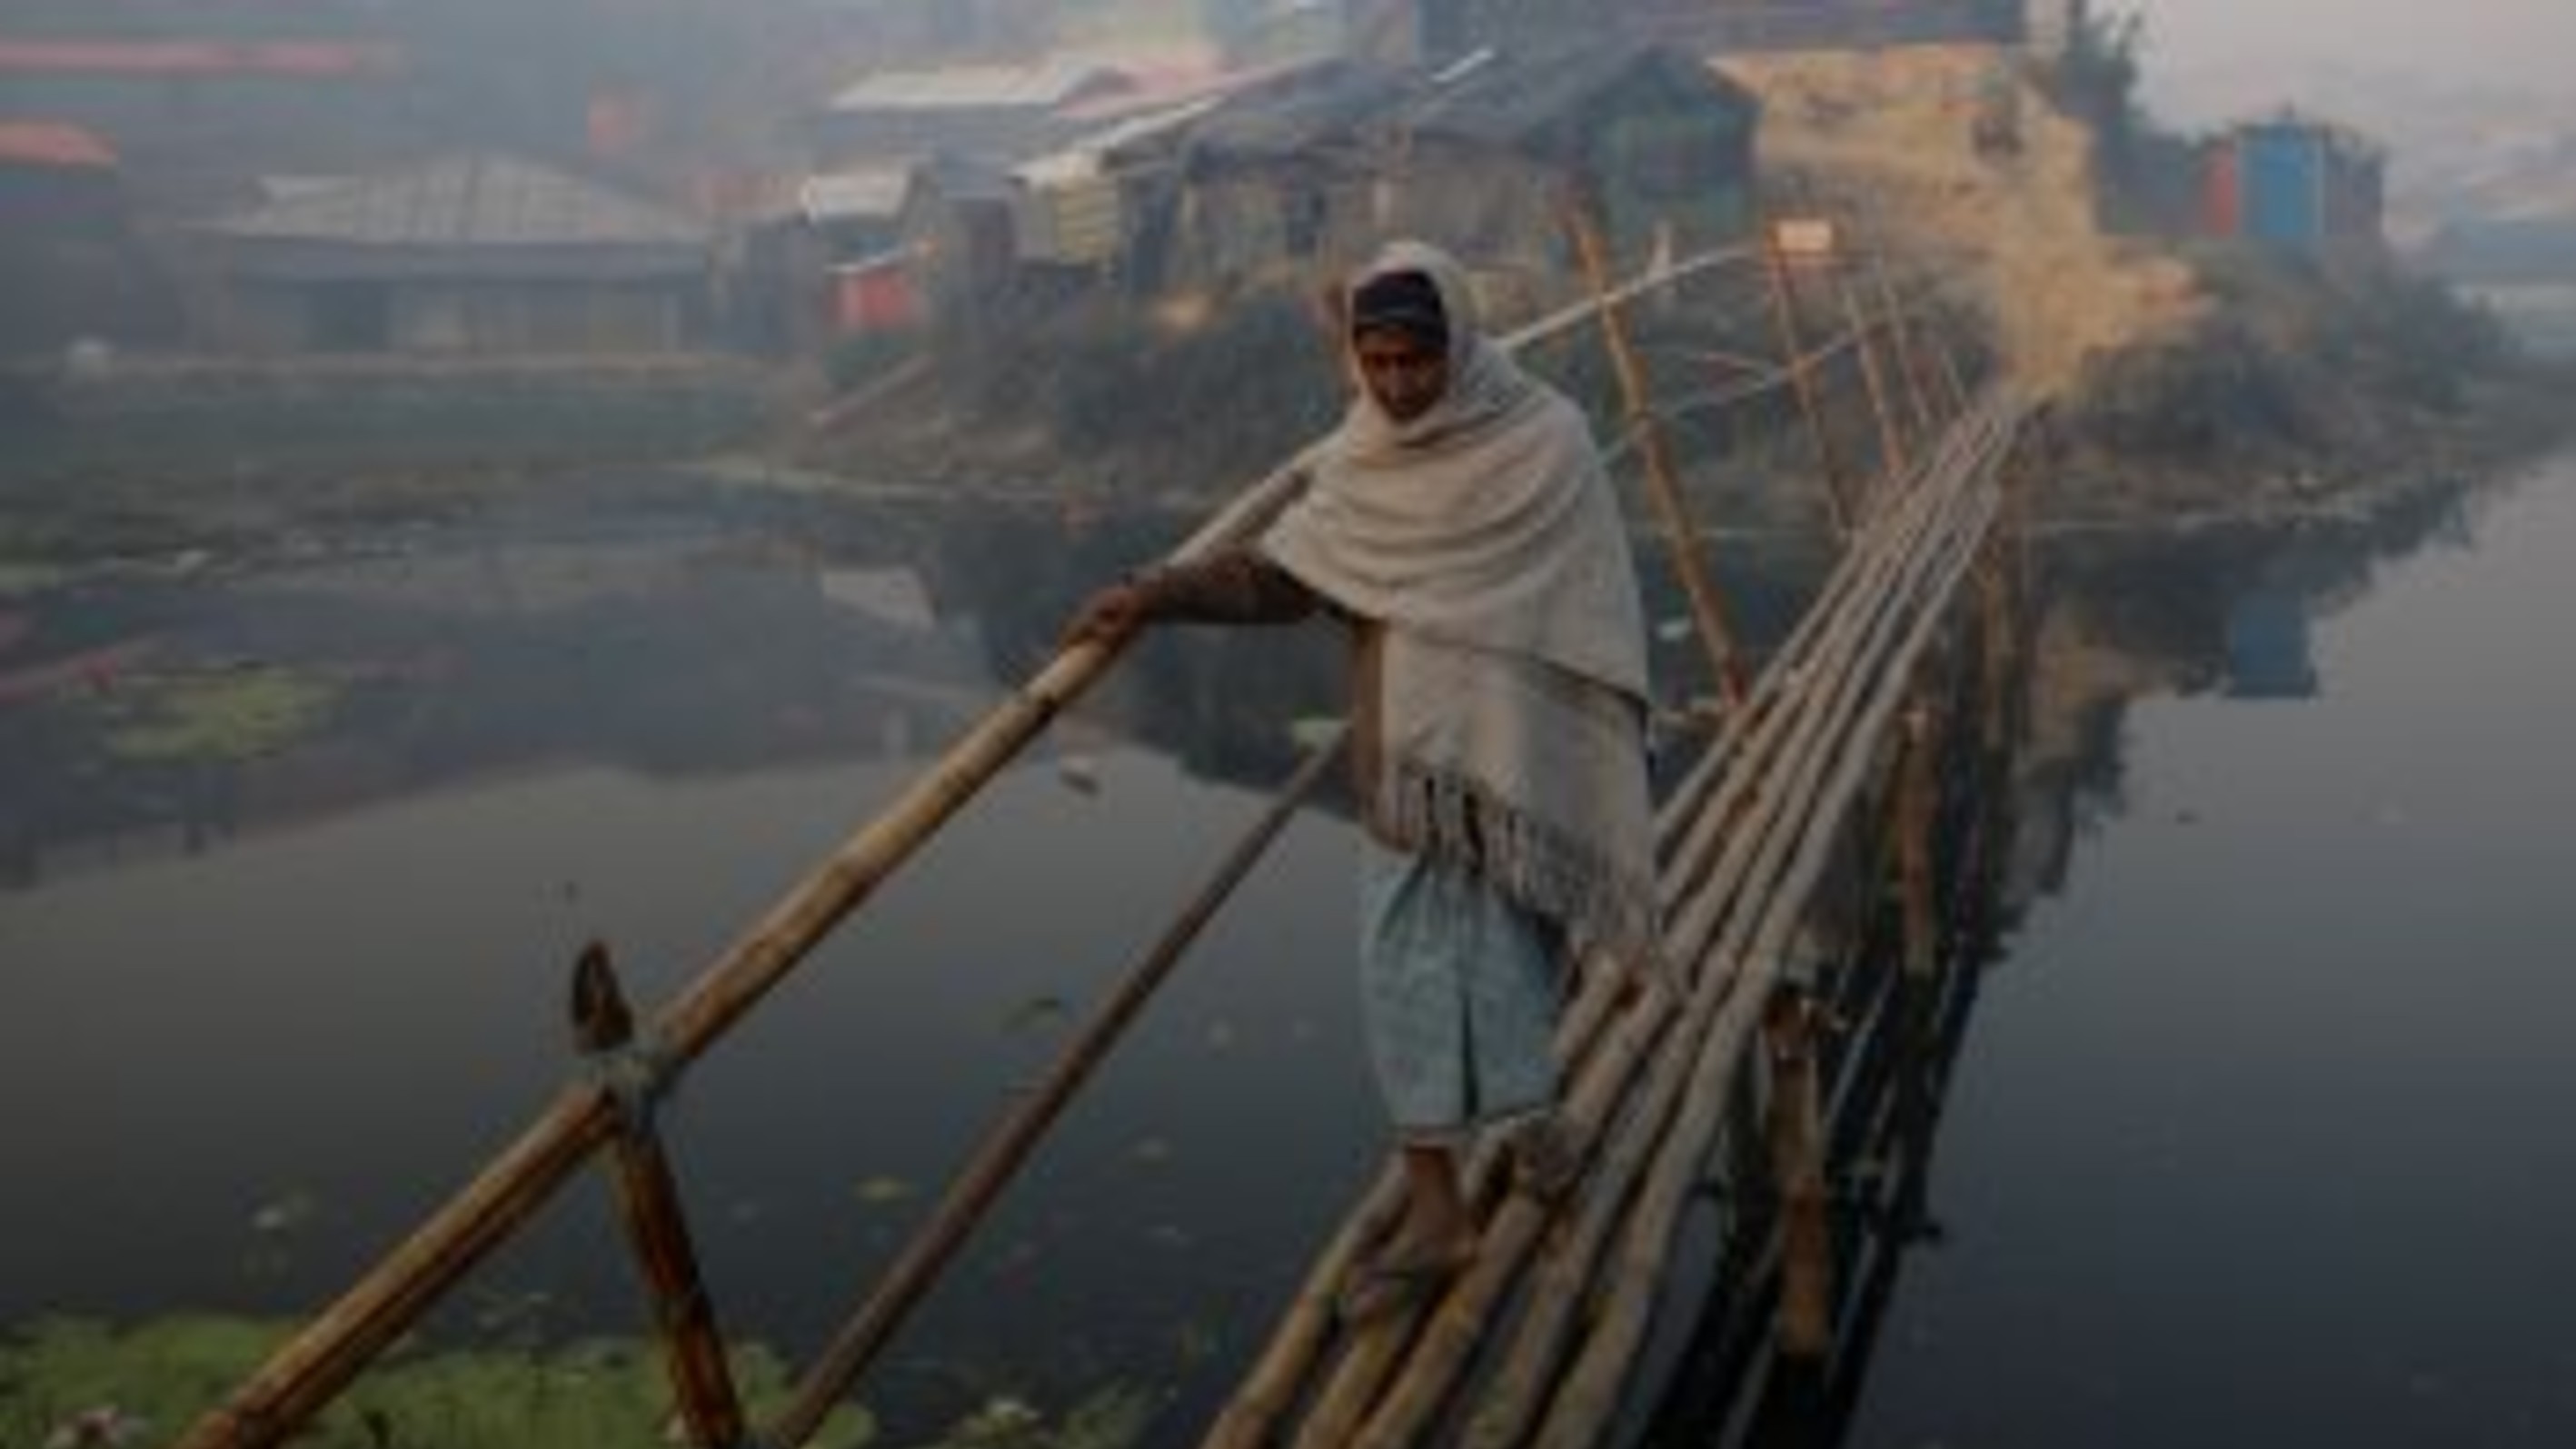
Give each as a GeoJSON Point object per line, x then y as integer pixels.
{"type": "Point", "coordinates": [1673, 630]}
{"type": "Point", "coordinates": [1151, 1152]}
{"type": "Point", "coordinates": [1037, 1011]}
{"type": "Point", "coordinates": [885, 1191]}
{"type": "Point", "coordinates": [1079, 772]}
{"type": "Point", "coordinates": [284, 1214]}
{"type": "Point", "coordinates": [106, 1425]}
{"type": "Point", "coordinates": [1314, 731]}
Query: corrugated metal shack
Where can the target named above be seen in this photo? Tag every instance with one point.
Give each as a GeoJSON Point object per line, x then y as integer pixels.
{"type": "Point", "coordinates": [1003, 113]}
{"type": "Point", "coordinates": [471, 255]}
{"type": "Point", "coordinates": [1312, 171]}
{"type": "Point", "coordinates": [2294, 183]}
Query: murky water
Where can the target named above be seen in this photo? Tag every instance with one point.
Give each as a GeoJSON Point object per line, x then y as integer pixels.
{"type": "Point", "coordinates": [2250, 1142]}
{"type": "Point", "coordinates": [2254, 1142]}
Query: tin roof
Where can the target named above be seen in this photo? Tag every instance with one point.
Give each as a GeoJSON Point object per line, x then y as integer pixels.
{"type": "Point", "coordinates": [1042, 87]}
{"type": "Point", "coordinates": [55, 145]}
{"type": "Point", "coordinates": [468, 201]}
{"type": "Point", "coordinates": [310, 59]}
{"type": "Point", "coordinates": [875, 193]}
{"type": "Point", "coordinates": [1530, 100]}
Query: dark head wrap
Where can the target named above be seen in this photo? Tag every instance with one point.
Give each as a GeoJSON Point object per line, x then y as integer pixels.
{"type": "Point", "coordinates": [1406, 302]}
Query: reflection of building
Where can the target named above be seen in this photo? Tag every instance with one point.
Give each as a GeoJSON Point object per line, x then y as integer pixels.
{"type": "Point", "coordinates": [472, 255]}
{"type": "Point", "coordinates": [2270, 653]}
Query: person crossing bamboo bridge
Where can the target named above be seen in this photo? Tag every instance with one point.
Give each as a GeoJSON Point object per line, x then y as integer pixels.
{"type": "Point", "coordinates": [1460, 524]}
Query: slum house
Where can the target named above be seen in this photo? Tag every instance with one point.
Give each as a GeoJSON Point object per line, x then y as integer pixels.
{"type": "Point", "coordinates": [1310, 173]}
{"type": "Point", "coordinates": [959, 250]}
{"type": "Point", "coordinates": [2294, 183]}
{"type": "Point", "coordinates": [995, 113]}
{"type": "Point", "coordinates": [70, 266]}
{"type": "Point", "coordinates": [475, 255]}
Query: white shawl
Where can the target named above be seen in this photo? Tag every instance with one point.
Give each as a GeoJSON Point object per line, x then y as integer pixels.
{"type": "Point", "coordinates": [1485, 536]}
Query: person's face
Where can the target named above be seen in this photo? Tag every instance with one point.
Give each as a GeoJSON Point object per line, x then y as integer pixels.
{"type": "Point", "coordinates": [1405, 375]}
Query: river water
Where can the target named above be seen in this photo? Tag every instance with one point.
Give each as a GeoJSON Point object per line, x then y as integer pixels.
{"type": "Point", "coordinates": [2248, 1143]}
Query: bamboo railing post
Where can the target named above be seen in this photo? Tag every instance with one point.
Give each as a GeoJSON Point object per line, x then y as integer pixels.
{"type": "Point", "coordinates": [1901, 317]}
{"type": "Point", "coordinates": [1663, 479]}
{"type": "Point", "coordinates": [1891, 442]}
{"type": "Point", "coordinates": [1917, 798]}
{"type": "Point", "coordinates": [1784, 318]}
{"type": "Point", "coordinates": [648, 1201]}
{"type": "Point", "coordinates": [1806, 1325]}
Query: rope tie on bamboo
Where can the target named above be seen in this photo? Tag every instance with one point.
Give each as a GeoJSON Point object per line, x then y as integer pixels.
{"type": "Point", "coordinates": [636, 1076]}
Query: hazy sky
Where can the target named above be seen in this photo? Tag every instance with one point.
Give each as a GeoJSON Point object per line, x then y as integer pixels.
{"type": "Point", "coordinates": [2523, 43]}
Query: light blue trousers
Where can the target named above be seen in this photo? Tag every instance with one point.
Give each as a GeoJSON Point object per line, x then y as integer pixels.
{"type": "Point", "coordinates": [1459, 993]}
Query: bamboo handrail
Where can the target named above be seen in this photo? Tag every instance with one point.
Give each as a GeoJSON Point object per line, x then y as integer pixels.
{"type": "Point", "coordinates": [971, 1195]}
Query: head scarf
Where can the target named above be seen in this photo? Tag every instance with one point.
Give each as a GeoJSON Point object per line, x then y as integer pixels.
{"type": "Point", "coordinates": [1484, 535]}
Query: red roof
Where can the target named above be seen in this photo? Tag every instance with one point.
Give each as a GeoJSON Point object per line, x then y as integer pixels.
{"type": "Point", "coordinates": [51, 143]}
{"type": "Point", "coordinates": [315, 59]}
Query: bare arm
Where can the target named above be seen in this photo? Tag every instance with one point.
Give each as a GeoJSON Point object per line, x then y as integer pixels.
{"type": "Point", "coordinates": [1237, 586]}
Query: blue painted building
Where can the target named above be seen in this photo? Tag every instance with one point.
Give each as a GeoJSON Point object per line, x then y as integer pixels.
{"type": "Point", "coordinates": [2294, 183]}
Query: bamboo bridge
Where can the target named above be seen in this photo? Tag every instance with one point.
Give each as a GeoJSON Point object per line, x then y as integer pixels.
{"type": "Point", "coordinates": [1831, 802]}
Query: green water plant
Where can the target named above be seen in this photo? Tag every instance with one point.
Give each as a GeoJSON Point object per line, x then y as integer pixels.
{"type": "Point", "coordinates": [65, 1378]}
{"type": "Point", "coordinates": [215, 718]}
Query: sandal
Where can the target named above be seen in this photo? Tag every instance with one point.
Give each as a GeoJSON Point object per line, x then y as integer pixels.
{"type": "Point", "coordinates": [1546, 1160]}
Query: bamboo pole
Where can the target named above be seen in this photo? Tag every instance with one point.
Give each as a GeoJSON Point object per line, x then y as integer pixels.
{"type": "Point", "coordinates": [1891, 443]}
{"type": "Point", "coordinates": [972, 1194]}
{"type": "Point", "coordinates": [1589, 1393]}
{"type": "Point", "coordinates": [1926, 422]}
{"type": "Point", "coordinates": [1509, 1398]}
{"type": "Point", "coordinates": [1663, 478]}
{"type": "Point", "coordinates": [1784, 319]}
{"type": "Point", "coordinates": [1805, 1326]}
{"type": "Point", "coordinates": [1557, 1290]}
{"type": "Point", "coordinates": [657, 1226]}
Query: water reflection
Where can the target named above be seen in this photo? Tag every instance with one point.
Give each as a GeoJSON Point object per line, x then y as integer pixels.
{"type": "Point", "coordinates": [324, 971]}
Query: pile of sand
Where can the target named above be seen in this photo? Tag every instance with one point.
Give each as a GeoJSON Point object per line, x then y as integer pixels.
{"type": "Point", "coordinates": [1893, 137]}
